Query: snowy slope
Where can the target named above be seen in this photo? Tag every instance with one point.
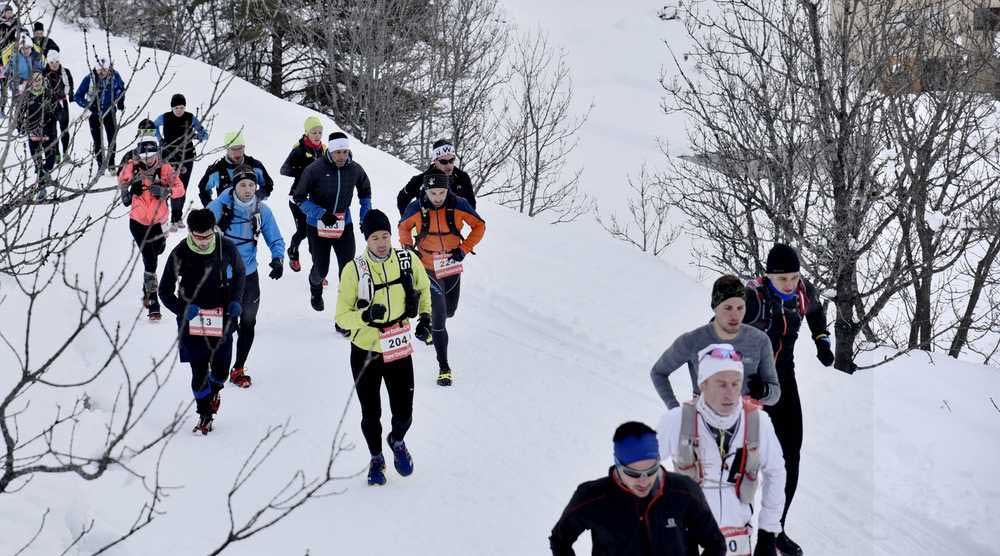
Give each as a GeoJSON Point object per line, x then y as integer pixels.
{"type": "Point", "coordinates": [552, 344]}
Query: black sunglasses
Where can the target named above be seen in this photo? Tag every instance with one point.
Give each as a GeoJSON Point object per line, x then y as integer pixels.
{"type": "Point", "coordinates": [446, 162]}
{"type": "Point", "coordinates": [639, 473]}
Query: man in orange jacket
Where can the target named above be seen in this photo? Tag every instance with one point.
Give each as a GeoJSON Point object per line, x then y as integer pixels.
{"type": "Point", "coordinates": [147, 185]}
{"type": "Point", "coordinates": [438, 216]}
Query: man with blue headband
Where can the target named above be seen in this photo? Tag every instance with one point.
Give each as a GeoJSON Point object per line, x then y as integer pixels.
{"type": "Point", "coordinates": [639, 508]}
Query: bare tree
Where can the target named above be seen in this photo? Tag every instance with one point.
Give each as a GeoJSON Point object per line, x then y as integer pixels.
{"type": "Point", "coordinates": [807, 131]}
{"type": "Point", "coordinates": [544, 130]}
{"type": "Point", "coordinates": [649, 208]}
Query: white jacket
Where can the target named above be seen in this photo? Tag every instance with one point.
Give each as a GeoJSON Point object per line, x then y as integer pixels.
{"type": "Point", "coordinates": [720, 493]}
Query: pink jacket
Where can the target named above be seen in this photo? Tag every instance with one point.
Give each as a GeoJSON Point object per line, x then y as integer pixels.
{"type": "Point", "coordinates": [147, 209]}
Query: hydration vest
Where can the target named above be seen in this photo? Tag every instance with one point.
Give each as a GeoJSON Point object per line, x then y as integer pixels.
{"type": "Point", "coordinates": [367, 287]}
{"type": "Point", "coordinates": [687, 457]}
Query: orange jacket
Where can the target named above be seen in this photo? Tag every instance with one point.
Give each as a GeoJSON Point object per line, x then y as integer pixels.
{"type": "Point", "coordinates": [439, 238]}
{"type": "Point", "coordinates": [147, 209]}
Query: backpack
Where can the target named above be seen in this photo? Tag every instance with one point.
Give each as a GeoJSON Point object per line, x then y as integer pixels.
{"type": "Point", "coordinates": [367, 289]}
{"type": "Point", "coordinates": [764, 308]}
{"type": "Point", "coordinates": [226, 220]}
{"type": "Point", "coordinates": [425, 223]}
{"type": "Point", "coordinates": [686, 459]}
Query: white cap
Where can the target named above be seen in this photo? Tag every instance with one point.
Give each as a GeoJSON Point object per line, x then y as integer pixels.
{"type": "Point", "coordinates": [709, 366]}
{"type": "Point", "coordinates": [53, 57]}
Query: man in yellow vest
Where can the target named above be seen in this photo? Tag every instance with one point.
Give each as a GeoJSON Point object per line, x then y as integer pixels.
{"type": "Point", "coordinates": [380, 291]}
{"type": "Point", "coordinates": [727, 445]}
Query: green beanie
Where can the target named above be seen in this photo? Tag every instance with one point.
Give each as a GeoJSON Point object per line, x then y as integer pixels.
{"type": "Point", "coordinates": [234, 138]}
{"type": "Point", "coordinates": [311, 122]}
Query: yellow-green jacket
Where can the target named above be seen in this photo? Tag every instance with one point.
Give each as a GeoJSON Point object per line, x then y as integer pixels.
{"type": "Point", "coordinates": [393, 297]}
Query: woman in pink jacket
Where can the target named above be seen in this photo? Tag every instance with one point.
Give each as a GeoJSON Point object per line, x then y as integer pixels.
{"type": "Point", "coordinates": [147, 185]}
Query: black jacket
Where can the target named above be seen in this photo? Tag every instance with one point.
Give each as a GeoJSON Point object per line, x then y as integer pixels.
{"type": "Point", "coordinates": [297, 160]}
{"type": "Point", "coordinates": [45, 44]}
{"type": "Point", "coordinates": [223, 169]}
{"type": "Point", "coordinates": [330, 187]}
{"type": "Point", "coordinates": [38, 115]}
{"type": "Point", "coordinates": [178, 138]}
{"type": "Point", "coordinates": [461, 184]}
{"type": "Point", "coordinates": [781, 319]}
{"type": "Point", "coordinates": [672, 521]}
{"type": "Point", "coordinates": [208, 281]}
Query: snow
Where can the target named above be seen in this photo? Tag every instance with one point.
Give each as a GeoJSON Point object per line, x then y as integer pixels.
{"type": "Point", "coordinates": [551, 347]}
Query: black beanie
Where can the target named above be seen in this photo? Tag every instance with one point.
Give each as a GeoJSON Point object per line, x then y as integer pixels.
{"type": "Point", "coordinates": [436, 178]}
{"type": "Point", "coordinates": [726, 287]}
{"type": "Point", "coordinates": [375, 221]}
{"type": "Point", "coordinates": [440, 142]}
{"type": "Point", "coordinates": [782, 259]}
{"type": "Point", "coordinates": [200, 220]}
{"type": "Point", "coordinates": [178, 100]}
{"type": "Point", "coordinates": [337, 135]}
{"type": "Point", "coordinates": [38, 26]}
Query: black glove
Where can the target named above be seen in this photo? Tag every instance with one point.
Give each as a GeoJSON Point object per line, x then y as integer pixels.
{"type": "Point", "coordinates": [374, 311]}
{"type": "Point", "coordinates": [329, 218]}
{"type": "Point", "coordinates": [423, 330]}
{"type": "Point", "coordinates": [757, 387]}
{"type": "Point", "coordinates": [277, 269]}
{"type": "Point", "coordinates": [126, 197]}
{"type": "Point", "coordinates": [226, 218]}
{"type": "Point", "coordinates": [457, 254]}
{"type": "Point", "coordinates": [121, 106]}
{"type": "Point", "coordinates": [823, 352]}
{"type": "Point", "coordinates": [158, 191]}
{"type": "Point", "coordinates": [765, 544]}
{"type": "Point", "coordinates": [412, 305]}
{"type": "Point", "coordinates": [135, 187]}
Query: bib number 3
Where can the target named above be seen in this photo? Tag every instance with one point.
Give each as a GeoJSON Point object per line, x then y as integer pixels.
{"type": "Point", "coordinates": [737, 541]}
{"type": "Point", "coordinates": [207, 323]}
{"type": "Point", "coordinates": [331, 232]}
{"type": "Point", "coordinates": [445, 266]}
{"type": "Point", "coordinates": [396, 343]}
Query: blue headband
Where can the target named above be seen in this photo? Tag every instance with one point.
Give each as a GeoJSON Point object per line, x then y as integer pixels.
{"type": "Point", "coordinates": [637, 448]}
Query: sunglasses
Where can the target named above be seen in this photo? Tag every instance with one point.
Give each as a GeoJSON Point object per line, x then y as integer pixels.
{"type": "Point", "coordinates": [447, 162]}
{"type": "Point", "coordinates": [203, 237]}
{"type": "Point", "coordinates": [721, 353]}
{"type": "Point", "coordinates": [639, 473]}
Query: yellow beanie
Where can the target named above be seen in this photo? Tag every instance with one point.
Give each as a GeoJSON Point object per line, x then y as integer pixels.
{"type": "Point", "coordinates": [234, 138]}
{"type": "Point", "coordinates": [311, 122]}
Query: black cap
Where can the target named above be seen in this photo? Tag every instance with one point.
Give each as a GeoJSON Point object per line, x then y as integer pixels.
{"type": "Point", "coordinates": [200, 220]}
{"type": "Point", "coordinates": [38, 26]}
{"type": "Point", "coordinates": [375, 221]}
{"type": "Point", "coordinates": [436, 179]}
{"type": "Point", "coordinates": [337, 135]}
{"type": "Point", "coordinates": [178, 100]}
{"type": "Point", "coordinates": [782, 259]}
{"type": "Point", "coordinates": [726, 287]}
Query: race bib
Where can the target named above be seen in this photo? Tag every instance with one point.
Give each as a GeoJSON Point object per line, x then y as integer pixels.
{"type": "Point", "coordinates": [445, 266]}
{"type": "Point", "coordinates": [207, 323]}
{"type": "Point", "coordinates": [331, 232]}
{"type": "Point", "coordinates": [396, 343]}
{"type": "Point", "coordinates": [737, 541]}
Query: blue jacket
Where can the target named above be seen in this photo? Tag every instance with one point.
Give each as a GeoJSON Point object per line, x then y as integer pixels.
{"type": "Point", "coordinates": [23, 66]}
{"type": "Point", "coordinates": [323, 186]}
{"type": "Point", "coordinates": [241, 226]}
{"type": "Point", "coordinates": [104, 92]}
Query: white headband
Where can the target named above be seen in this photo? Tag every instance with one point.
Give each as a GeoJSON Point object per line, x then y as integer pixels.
{"type": "Point", "coordinates": [443, 150]}
{"type": "Point", "coordinates": [340, 144]}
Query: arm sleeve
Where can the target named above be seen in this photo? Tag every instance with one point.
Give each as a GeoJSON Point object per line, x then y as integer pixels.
{"type": "Point", "coordinates": [364, 185]}
{"type": "Point", "coordinates": [81, 94]}
{"type": "Point", "coordinates": [310, 208]}
{"type": "Point", "coordinates": [268, 182]}
{"type": "Point", "coordinates": [773, 474]}
{"type": "Point", "coordinates": [119, 88]}
{"type": "Point", "coordinates": [668, 432]}
{"type": "Point", "coordinates": [168, 283]}
{"type": "Point", "coordinates": [176, 185]}
{"type": "Point", "coordinates": [408, 193]}
{"type": "Point", "coordinates": [470, 193]}
{"type": "Point", "coordinates": [702, 525]}
{"type": "Point", "coordinates": [271, 232]}
{"type": "Point", "coordinates": [348, 316]}
{"type": "Point", "coordinates": [158, 123]}
{"type": "Point", "coordinates": [203, 192]}
{"type": "Point", "coordinates": [478, 226]}
{"type": "Point", "coordinates": [303, 187]}
{"type": "Point", "coordinates": [570, 526]}
{"type": "Point", "coordinates": [69, 82]}
{"type": "Point", "coordinates": [211, 181]}
{"type": "Point", "coordinates": [406, 230]}
{"type": "Point", "coordinates": [125, 176]}
{"type": "Point", "coordinates": [668, 362]}
{"type": "Point", "coordinates": [366, 205]}
{"type": "Point", "coordinates": [816, 315]}
{"type": "Point", "coordinates": [287, 167]}
{"type": "Point", "coordinates": [422, 284]}
{"type": "Point", "coordinates": [216, 207]}
{"type": "Point", "coordinates": [199, 129]}
{"type": "Point", "coordinates": [768, 373]}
